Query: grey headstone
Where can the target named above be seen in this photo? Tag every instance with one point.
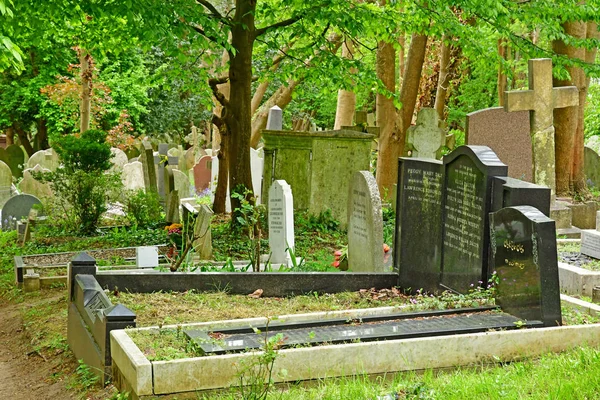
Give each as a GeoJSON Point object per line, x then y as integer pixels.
{"type": "Point", "coordinates": [17, 207]}
{"type": "Point", "coordinates": [275, 119]}
{"type": "Point", "coordinates": [365, 224]}
{"type": "Point", "coordinates": [426, 139]}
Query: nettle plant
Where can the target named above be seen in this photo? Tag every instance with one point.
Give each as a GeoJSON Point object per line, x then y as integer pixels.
{"type": "Point", "coordinates": [83, 184]}
{"type": "Point", "coordinates": [250, 217]}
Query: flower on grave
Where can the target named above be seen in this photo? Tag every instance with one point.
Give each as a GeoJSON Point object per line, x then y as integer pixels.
{"type": "Point", "coordinates": [174, 234]}
{"type": "Point", "coordinates": [339, 257]}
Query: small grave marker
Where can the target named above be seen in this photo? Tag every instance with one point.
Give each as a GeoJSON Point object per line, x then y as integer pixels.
{"type": "Point", "coordinates": [146, 257]}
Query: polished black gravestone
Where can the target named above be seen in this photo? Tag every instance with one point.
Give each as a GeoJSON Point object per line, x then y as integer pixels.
{"type": "Point", "coordinates": [467, 199]}
{"type": "Point", "coordinates": [523, 243]}
{"type": "Point", "coordinates": [417, 249]}
{"type": "Point", "coordinates": [508, 192]}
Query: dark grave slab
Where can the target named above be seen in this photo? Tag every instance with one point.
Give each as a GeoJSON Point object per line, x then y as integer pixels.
{"type": "Point", "coordinates": [469, 171]}
{"type": "Point", "coordinates": [417, 250]}
{"type": "Point", "coordinates": [394, 327]}
{"type": "Point", "coordinates": [523, 243]}
{"type": "Point", "coordinates": [508, 192]}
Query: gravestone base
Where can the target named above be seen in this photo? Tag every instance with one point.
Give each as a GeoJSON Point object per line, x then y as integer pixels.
{"type": "Point", "coordinates": [584, 215]}
{"type": "Point", "coordinates": [561, 214]}
{"type": "Point", "coordinates": [590, 243]}
{"type": "Point", "coordinates": [31, 282]}
{"type": "Point", "coordinates": [569, 233]}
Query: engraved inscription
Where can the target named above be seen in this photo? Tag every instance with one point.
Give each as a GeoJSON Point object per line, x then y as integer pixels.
{"type": "Point", "coordinates": [424, 187]}
{"type": "Point", "coordinates": [359, 213]}
{"type": "Point", "coordinates": [276, 215]}
{"type": "Point", "coordinates": [464, 208]}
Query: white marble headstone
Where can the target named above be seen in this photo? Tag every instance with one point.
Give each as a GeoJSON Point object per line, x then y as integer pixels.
{"type": "Point", "coordinates": [257, 162]}
{"type": "Point", "coordinates": [365, 224]}
{"type": "Point", "coordinates": [118, 159]}
{"type": "Point", "coordinates": [281, 222]}
{"type": "Point", "coordinates": [275, 119]}
{"type": "Point", "coordinates": [146, 257]}
{"type": "Point", "coordinates": [133, 176]}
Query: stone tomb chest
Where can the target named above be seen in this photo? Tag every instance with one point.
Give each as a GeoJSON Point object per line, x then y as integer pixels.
{"type": "Point", "coordinates": [317, 165]}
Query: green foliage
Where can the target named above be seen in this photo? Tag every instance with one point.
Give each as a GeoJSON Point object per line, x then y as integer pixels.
{"type": "Point", "coordinates": [88, 153]}
{"type": "Point", "coordinates": [324, 222]}
{"type": "Point", "coordinates": [143, 208]}
{"type": "Point", "coordinates": [85, 377]}
{"type": "Point", "coordinates": [592, 111]}
{"type": "Point", "coordinates": [250, 217]}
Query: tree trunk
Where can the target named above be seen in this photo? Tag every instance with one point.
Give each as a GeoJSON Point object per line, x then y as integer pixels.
{"type": "Point", "coordinates": [388, 145]}
{"type": "Point", "coordinates": [42, 134]}
{"type": "Point", "coordinates": [410, 85]}
{"type": "Point", "coordinates": [444, 77]}
{"type": "Point", "coordinates": [401, 60]}
{"type": "Point", "coordinates": [237, 116]}
{"type": "Point", "coordinates": [219, 204]}
{"type": "Point", "coordinates": [260, 91]}
{"type": "Point", "coordinates": [23, 139]}
{"type": "Point", "coordinates": [566, 119]}
{"type": "Point", "coordinates": [346, 102]}
{"type": "Point", "coordinates": [86, 90]}
{"type": "Point", "coordinates": [502, 80]}
{"type": "Point", "coordinates": [10, 136]}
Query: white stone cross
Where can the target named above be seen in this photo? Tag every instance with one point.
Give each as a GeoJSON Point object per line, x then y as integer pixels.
{"type": "Point", "coordinates": [540, 100]}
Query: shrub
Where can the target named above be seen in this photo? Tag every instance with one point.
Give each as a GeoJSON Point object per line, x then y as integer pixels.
{"type": "Point", "coordinates": [143, 208]}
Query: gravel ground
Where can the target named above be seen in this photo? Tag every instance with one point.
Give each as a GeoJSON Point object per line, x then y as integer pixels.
{"type": "Point", "coordinates": [64, 258]}
{"type": "Point", "coordinates": [577, 259]}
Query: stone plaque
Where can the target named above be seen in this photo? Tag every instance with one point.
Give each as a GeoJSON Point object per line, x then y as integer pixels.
{"type": "Point", "coordinates": [467, 202]}
{"type": "Point", "coordinates": [590, 243]}
{"type": "Point", "coordinates": [365, 224]}
{"type": "Point", "coordinates": [417, 250]}
{"type": "Point", "coordinates": [281, 222]}
{"type": "Point", "coordinates": [146, 257]}
{"type": "Point", "coordinates": [523, 245]}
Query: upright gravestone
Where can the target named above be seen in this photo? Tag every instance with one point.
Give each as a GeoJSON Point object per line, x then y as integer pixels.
{"type": "Point", "coordinates": [133, 176]}
{"type": "Point", "coordinates": [365, 224]}
{"type": "Point", "coordinates": [426, 139]}
{"type": "Point", "coordinates": [147, 160]}
{"type": "Point", "coordinates": [469, 171]}
{"type": "Point", "coordinates": [523, 244]}
{"type": "Point", "coordinates": [507, 134]}
{"type": "Point", "coordinates": [275, 119]}
{"type": "Point", "coordinates": [6, 190]}
{"type": "Point", "coordinates": [418, 239]}
{"type": "Point", "coordinates": [47, 159]}
{"type": "Point", "coordinates": [182, 184]}
{"type": "Point", "coordinates": [16, 208]}
{"type": "Point", "coordinates": [257, 162]}
{"type": "Point", "coordinates": [281, 222]}
{"type": "Point", "coordinates": [32, 186]}
{"type": "Point", "coordinates": [203, 173]}
{"type": "Point", "coordinates": [540, 100]}
{"type": "Point", "coordinates": [160, 162]}
{"type": "Point", "coordinates": [16, 160]}
{"type": "Point", "coordinates": [3, 155]}
{"type": "Point", "coordinates": [591, 162]}
{"type": "Point", "coordinates": [118, 159]}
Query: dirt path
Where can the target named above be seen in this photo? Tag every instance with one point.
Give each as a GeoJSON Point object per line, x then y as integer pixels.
{"type": "Point", "coordinates": [25, 374]}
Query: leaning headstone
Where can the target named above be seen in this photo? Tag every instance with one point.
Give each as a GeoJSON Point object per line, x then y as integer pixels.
{"type": "Point", "coordinates": [275, 119]}
{"type": "Point", "coordinates": [118, 159]}
{"type": "Point", "coordinates": [133, 176]}
{"type": "Point", "coordinates": [6, 177]}
{"type": "Point", "coordinates": [47, 159]}
{"type": "Point", "coordinates": [540, 100]}
{"type": "Point", "coordinates": [469, 171]}
{"type": "Point", "coordinates": [203, 173]}
{"type": "Point", "coordinates": [281, 222]}
{"type": "Point", "coordinates": [418, 238]}
{"type": "Point", "coordinates": [257, 162]}
{"type": "Point", "coordinates": [182, 184]}
{"type": "Point", "coordinates": [16, 160]}
{"type": "Point", "coordinates": [426, 139]}
{"type": "Point", "coordinates": [523, 243]}
{"type": "Point", "coordinates": [591, 162]}
{"type": "Point", "coordinates": [32, 186]}
{"type": "Point", "coordinates": [365, 224]}
{"type": "Point", "coordinates": [17, 208]}
{"type": "Point", "coordinates": [507, 134]}
{"type": "Point", "coordinates": [147, 160]}
{"type": "Point", "coordinates": [202, 233]}
{"type": "Point", "coordinates": [146, 257]}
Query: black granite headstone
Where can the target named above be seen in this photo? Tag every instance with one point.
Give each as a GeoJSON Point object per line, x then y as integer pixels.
{"type": "Point", "coordinates": [469, 171]}
{"type": "Point", "coordinates": [523, 245]}
{"type": "Point", "coordinates": [508, 192]}
{"type": "Point", "coordinates": [417, 250]}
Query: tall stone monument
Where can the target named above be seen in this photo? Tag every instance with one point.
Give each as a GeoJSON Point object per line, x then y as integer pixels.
{"type": "Point", "coordinates": [426, 138]}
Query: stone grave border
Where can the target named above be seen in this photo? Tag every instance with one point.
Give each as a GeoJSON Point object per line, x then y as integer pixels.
{"type": "Point", "coordinates": [133, 372]}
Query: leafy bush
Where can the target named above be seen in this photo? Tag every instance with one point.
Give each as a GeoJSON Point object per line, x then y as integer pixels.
{"type": "Point", "coordinates": [143, 208]}
{"type": "Point", "coordinates": [81, 185]}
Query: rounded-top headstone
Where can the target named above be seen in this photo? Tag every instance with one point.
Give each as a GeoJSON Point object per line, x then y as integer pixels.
{"type": "Point", "coordinates": [17, 207]}
{"type": "Point", "coordinates": [16, 159]}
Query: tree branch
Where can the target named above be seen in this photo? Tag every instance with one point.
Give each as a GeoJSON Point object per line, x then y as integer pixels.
{"type": "Point", "coordinates": [213, 83]}
{"type": "Point", "coordinates": [201, 31]}
{"type": "Point", "coordinates": [215, 13]}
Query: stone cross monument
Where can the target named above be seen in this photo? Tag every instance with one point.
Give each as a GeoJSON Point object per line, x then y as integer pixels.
{"type": "Point", "coordinates": [426, 138]}
{"type": "Point", "coordinates": [540, 100]}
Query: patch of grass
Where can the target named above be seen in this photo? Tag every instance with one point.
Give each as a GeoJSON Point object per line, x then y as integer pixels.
{"type": "Point", "coordinates": [568, 247]}
{"type": "Point", "coordinates": [164, 344]}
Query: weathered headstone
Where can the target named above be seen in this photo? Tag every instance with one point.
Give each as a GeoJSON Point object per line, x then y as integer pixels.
{"type": "Point", "coordinates": [257, 162]}
{"type": "Point", "coordinates": [32, 186]}
{"type": "Point", "coordinates": [16, 160]}
{"type": "Point", "coordinates": [418, 239]}
{"type": "Point", "coordinates": [118, 159]}
{"type": "Point", "coordinates": [281, 222]}
{"type": "Point", "coordinates": [3, 155]}
{"type": "Point", "coordinates": [147, 160]}
{"type": "Point", "coordinates": [426, 139]}
{"type": "Point", "coordinates": [203, 173]}
{"type": "Point", "coordinates": [523, 244]}
{"type": "Point", "coordinates": [507, 134]}
{"type": "Point", "coordinates": [160, 162]}
{"type": "Point", "coordinates": [182, 184]}
{"type": "Point", "coordinates": [6, 190]}
{"type": "Point", "coordinates": [469, 171]}
{"type": "Point", "coordinates": [202, 233]}
{"type": "Point", "coordinates": [591, 161]}
{"type": "Point", "coordinates": [172, 197]}
{"type": "Point", "coordinates": [275, 119]}
{"type": "Point", "coordinates": [132, 152]}
{"type": "Point", "coordinates": [47, 159]}
{"type": "Point", "coordinates": [540, 100]}
{"type": "Point", "coordinates": [146, 257]}
{"type": "Point", "coordinates": [17, 208]}
{"type": "Point", "coordinates": [133, 176]}
{"type": "Point", "coordinates": [365, 224]}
